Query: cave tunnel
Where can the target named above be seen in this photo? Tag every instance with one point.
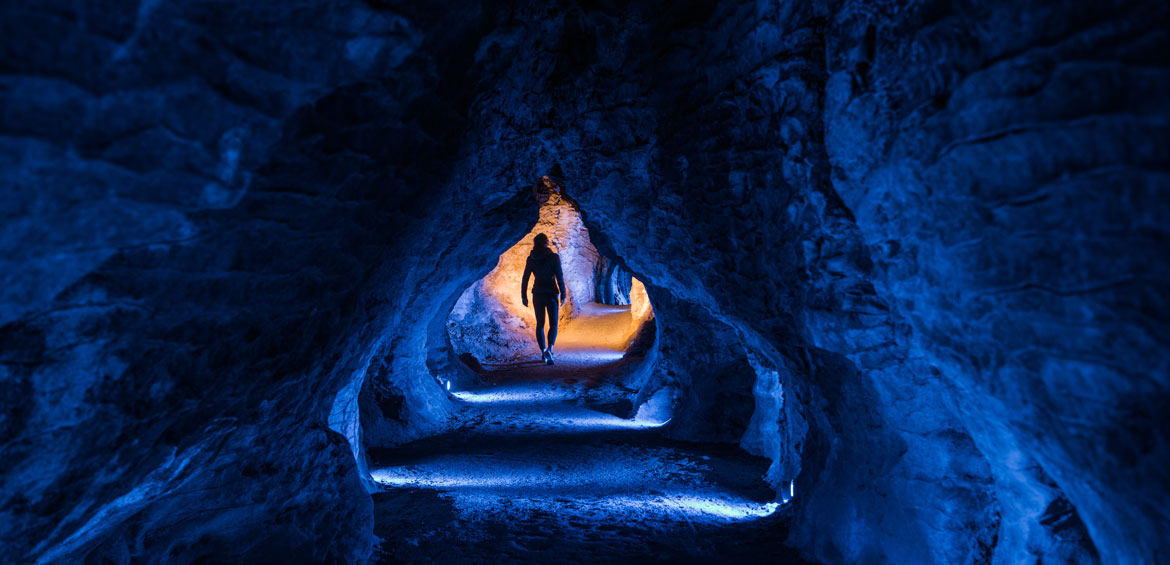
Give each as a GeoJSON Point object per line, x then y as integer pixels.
{"type": "Point", "coordinates": [848, 281]}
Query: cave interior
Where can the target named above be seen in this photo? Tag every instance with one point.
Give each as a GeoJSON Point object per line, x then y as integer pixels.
{"type": "Point", "coordinates": [849, 281]}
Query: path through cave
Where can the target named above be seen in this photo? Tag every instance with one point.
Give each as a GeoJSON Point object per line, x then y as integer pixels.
{"type": "Point", "coordinates": [906, 257]}
{"type": "Point", "coordinates": [549, 463]}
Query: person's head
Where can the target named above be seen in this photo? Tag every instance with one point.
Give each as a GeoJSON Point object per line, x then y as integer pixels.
{"type": "Point", "coordinates": [540, 241]}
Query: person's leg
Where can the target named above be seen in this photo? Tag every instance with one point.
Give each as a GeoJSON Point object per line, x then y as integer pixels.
{"type": "Point", "coordinates": [554, 313]}
{"type": "Point", "coordinates": [538, 307]}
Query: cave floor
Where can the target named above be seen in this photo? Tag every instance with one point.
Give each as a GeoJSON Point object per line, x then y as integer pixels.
{"type": "Point", "coordinates": [589, 351]}
{"type": "Point", "coordinates": [543, 467]}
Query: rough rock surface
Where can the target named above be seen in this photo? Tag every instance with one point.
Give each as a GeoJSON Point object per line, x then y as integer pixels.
{"type": "Point", "coordinates": [911, 252]}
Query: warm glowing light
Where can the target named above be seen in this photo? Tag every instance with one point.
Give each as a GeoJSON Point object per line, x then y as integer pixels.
{"type": "Point", "coordinates": [639, 302]}
{"type": "Point", "coordinates": [561, 222]}
{"type": "Point", "coordinates": [496, 297]}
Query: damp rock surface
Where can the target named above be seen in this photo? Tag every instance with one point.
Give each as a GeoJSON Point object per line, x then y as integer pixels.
{"type": "Point", "coordinates": [539, 469]}
{"type": "Point", "coordinates": [550, 463]}
{"type": "Point", "coordinates": [911, 254]}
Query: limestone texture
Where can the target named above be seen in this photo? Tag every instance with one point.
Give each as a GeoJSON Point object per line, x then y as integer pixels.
{"type": "Point", "coordinates": [913, 253]}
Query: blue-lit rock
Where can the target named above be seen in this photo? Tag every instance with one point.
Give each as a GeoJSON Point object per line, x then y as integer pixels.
{"type": "Point", "coordinates": [913, 253]}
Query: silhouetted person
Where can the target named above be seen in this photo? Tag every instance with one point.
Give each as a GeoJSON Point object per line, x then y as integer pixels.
{"type": "Point", "coordinates": [548, 281]}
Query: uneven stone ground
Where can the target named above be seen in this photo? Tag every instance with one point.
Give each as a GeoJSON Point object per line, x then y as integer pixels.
{"type": "Point", "coordinates": [589, 351]}
{"type": "Point", "coordinates": [542, 465]}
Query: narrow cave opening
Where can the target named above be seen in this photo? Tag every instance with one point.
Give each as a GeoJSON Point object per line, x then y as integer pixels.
{"type": "Point", "coordinates": [601, 339]}
{"type": "Point", "coordinates": [577, 449]}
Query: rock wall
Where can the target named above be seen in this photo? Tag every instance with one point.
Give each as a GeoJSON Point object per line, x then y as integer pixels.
{"type": "Point", "coordinates": [1006, 165]}
{"type": "Point", "coordinates": [908, 251]}
{"type": "Point", "coordinates": [612, 283]}
{"type": "Point", "coordinates": [206, 239]}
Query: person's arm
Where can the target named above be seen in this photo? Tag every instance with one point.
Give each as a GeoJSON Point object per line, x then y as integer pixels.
{"type": "Point", "coordinates": [561, 281]}
{"type": "Point", "coordinates": [524, 282]}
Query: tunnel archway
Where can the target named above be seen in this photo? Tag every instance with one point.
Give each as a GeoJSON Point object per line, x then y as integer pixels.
{"type": "Point", "coordinates": [606, 322]}
{"type": "Point", "coordinates": [569, 445]}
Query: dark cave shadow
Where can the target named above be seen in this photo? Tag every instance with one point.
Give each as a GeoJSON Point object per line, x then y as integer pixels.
{"type": "Point", "coordinates": [501, 367]}
{"type": "Point", "coordinates": [570, 373]}
{"type": "Point", "coordinates": [623, 408]}
{"type": "Point", "coordinates": [429, 531]}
